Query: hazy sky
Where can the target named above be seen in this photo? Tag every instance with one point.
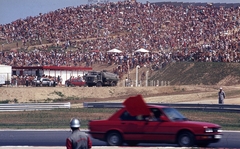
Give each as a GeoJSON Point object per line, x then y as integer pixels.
{"type": "Point", "coordinates": [11, 10]}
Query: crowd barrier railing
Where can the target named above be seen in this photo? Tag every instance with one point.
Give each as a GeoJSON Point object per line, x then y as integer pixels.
{"type": "Point", "coordinates": [203, 107]}
{"type": "Point", "coordinates": [33, 106]}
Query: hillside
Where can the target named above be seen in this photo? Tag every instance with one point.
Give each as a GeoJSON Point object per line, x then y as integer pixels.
{"type": "Point", "coordinates": [200, 73]}
{"type": "Point", "coordinates": [188, 73]}
{"type": "Point", "coordinates": [189, 82]}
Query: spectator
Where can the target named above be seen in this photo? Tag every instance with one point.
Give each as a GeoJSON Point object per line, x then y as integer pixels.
{"type": "Point", "coordinates": [221, 96]}
{"type": "Point", "coordinates": [27, 81]}
{"type": "Point", "coordinates": [126, 82]}
{"type": "Point", "coordinates": [172, 33]}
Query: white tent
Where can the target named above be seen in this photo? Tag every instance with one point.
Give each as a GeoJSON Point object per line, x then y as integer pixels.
{"type": "Point", "coordinates": [142, 50]}
{"type": "Point", "coordinates": [114, 51]}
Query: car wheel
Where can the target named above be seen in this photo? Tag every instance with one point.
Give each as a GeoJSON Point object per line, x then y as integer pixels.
{"type": "Point", "coordinates": [186, 139]}
{"type": "Point", "coordinates": [114, 139]}
{"type": "Point", "coordinates": [99, 84]}
{"type": "Point", "coordinates": [113, 84]}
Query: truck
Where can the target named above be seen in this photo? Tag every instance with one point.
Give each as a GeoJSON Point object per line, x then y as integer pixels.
{"type": "Point", "coordinates": [101, 78]}
{"type": "Point", "coordinates": [5, 75]}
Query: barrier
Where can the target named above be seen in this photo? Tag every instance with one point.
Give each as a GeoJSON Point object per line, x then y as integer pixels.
{"type": "Point", "coordinates": [33, 106]}
{"type": "Point", "coordinates": [203, 107]}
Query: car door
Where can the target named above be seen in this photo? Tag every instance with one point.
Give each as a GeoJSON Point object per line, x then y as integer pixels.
{"type": "Point", "coordinates": [44, 81]}
{"type": "Point", "coordinates": [132, 126]}
{"type": "Point", "coordinates": [80, 82]}
{"type": "Point", "coordinates": [74, 82]}
{"type": "Point", "coordinates": [157, 129]}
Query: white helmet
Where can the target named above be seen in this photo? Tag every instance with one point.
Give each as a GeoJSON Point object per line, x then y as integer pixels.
{"type": "Point", "coordinates": [74, 123]}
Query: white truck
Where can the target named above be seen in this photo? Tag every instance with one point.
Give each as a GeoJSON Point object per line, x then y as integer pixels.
{"type": "Point", "coordinates": [5, 75]}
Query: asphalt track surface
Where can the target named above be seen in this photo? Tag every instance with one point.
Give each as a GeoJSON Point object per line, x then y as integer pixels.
{"type": "Point", "coordinates": [55, 139]}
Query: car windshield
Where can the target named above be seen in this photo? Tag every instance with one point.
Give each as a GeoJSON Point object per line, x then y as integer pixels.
{"type": "Point", "coordinates": [174, 114]}
{"type": "Point", "coordinates": [93, 73]}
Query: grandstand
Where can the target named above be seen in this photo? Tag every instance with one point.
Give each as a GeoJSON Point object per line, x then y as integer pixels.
{"type": "Point", "coordinates": [82, 35]}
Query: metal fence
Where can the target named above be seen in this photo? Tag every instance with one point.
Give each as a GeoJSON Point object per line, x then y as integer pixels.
{"type": "Point", "coordinates": [202, 107]}
{"type": "Point", "coordinates": [143, 83]}
{"type": "Point", "coordinates": [33, 106]}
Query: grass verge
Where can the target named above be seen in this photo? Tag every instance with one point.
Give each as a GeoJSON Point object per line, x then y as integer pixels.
{"type": "Point", "coordinates": [59, 118]}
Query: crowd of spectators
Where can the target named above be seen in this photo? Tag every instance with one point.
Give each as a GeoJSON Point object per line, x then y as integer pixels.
{"type": "Point", "coordinates": [31, 80]}
{"type": "Point", "coordinates": [170, 32]}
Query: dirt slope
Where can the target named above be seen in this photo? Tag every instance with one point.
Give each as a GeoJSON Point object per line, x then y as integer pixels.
{"type": "Point", "coordinates": [78, 95]}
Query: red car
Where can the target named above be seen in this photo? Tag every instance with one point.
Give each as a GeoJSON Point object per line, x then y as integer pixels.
{"type": "Point", "coordinates": [138, 122]}
{"type": "Point", "coordinates": [75, 82]}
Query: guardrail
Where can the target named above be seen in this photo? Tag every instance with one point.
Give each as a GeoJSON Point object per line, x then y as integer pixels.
{"type": "Point", "coordinates": [33, 106]}
{"type": "Point", "coordinates": [203, 107]}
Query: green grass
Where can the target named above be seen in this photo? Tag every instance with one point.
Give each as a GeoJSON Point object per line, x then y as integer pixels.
{"type": "Point", "coordinates": [228, 120]}
{"type": "Point", "coordinates": [60, 118]}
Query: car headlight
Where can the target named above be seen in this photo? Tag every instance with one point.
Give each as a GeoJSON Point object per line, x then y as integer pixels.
{"type": "Point", "coordinates": [208, 130]}
{"type": "Point", "coordinates": [219, 130]}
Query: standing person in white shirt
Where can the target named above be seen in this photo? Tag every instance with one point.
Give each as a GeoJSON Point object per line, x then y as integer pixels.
{"type": "Point", "coordinates": [221, 96]}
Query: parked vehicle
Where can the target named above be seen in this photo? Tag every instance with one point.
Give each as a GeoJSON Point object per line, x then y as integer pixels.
{"type": "Point", "coordinates": [138, 122]}
{"type": "Point", "coordinates": [44, 82]}
{"type": "Point", "coordinates": [101, 78]}
{"type": "Point", "coordinates": [5, 74]}
{"type": "Point", "coordinates": [75, 82]}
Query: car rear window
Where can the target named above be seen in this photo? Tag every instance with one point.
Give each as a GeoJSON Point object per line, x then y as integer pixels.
{"type": "Point", "coordinates": [127, 117]}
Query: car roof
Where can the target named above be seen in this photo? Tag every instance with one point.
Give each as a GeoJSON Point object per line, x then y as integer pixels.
{"type": "Point", "coordinates": [75, 78]}
{"type": "Point", "coordinates": [156, 106]}
{"type": "Point", "coordinates": [151, 106]}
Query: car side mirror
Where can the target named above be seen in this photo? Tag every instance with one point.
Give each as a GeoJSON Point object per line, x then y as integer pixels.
{"type": "Point", "coordinates": [163, 118]}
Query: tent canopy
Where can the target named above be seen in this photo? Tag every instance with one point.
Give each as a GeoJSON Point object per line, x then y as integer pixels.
{"type": "Point", "coordinates": [142, 50]}
{"type": "Point", "coordinates": [114, 51]}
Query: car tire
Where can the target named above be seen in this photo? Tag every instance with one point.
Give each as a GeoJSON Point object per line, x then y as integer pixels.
{"type": "Point", "coordinates": [99, 84]}
{"type": "Point", "coordinates": [114, 139]}
{"type": "Point", "coordinates": [186, 139]}
{"type": "Point", "coordinates": [113, 84]}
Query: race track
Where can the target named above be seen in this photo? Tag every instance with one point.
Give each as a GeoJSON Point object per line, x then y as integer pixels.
{"type": "Point", "coordinates": [52, 138]}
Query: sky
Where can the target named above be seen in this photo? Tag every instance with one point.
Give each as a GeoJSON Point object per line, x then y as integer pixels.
{"type": "Point", "coordinates": [11, 10]}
